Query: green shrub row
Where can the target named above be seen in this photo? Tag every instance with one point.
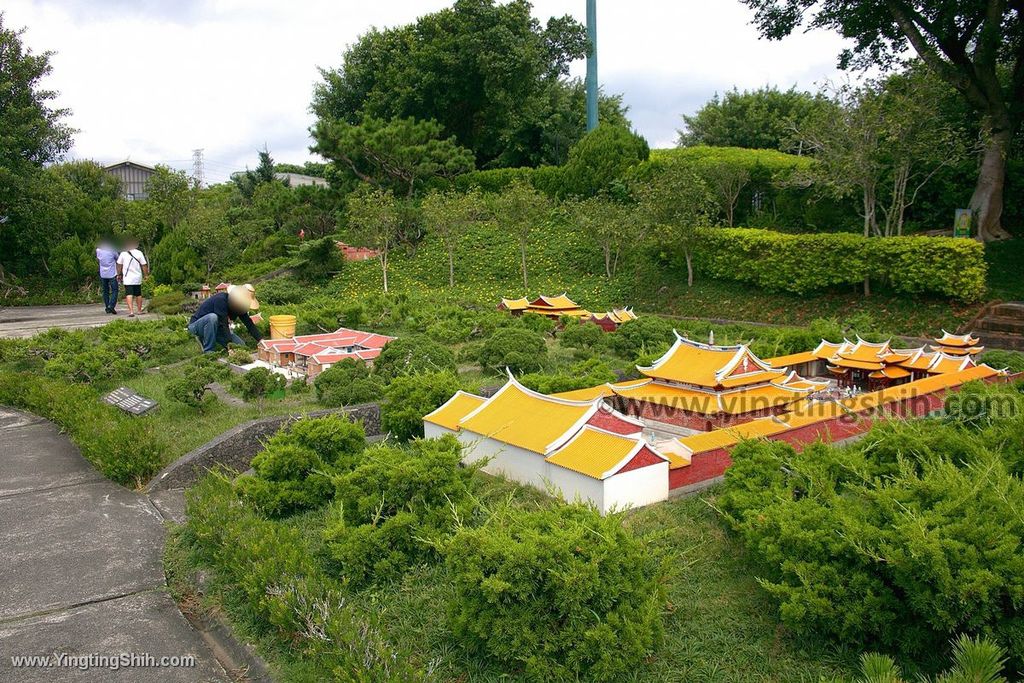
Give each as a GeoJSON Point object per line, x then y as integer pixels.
{"type": "Point", "coordinates": [800, 264]}
{"type": "Point", "coordinates": [123, 448]}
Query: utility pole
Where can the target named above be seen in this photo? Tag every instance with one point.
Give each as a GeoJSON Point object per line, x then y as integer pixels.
{"type": "Point", "coordinates": [592, 65]}
{"type": "Point", "coordinates": [197, 167]}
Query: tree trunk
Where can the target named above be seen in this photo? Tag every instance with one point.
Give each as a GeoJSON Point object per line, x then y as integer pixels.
{"type": "Point", "coordinates": [384, 268]}
{"type": "Point", "coordinates": [689, 267]}
{"type": "Point", "coordinates": [987, 200]}
{"type": "Point", "coordinates": [451, 267]}
{"type": "Point", "coordinates": [522, 251]}
{"type": "Point", "coordinates": [607, 260]}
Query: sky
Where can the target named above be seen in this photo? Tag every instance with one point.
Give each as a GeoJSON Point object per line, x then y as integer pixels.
{"type": "Point", "coordinates": [152, 80]}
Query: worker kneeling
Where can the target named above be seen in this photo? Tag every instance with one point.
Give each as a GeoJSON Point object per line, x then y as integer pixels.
{"type": "Point", "coordinates": [210, 322]}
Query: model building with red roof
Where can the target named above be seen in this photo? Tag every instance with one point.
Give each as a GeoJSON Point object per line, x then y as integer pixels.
{"type": "Point", "coordinates": [311, 354]}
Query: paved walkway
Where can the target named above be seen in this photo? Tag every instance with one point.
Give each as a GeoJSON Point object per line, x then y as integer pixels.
{"type": "Point", "coordinates": [81, 569]}
{"type": "Point", "coordinates": [25, 321]}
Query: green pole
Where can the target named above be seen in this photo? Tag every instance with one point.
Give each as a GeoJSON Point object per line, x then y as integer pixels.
{"type": "Point", "coordinates": [592, 65]}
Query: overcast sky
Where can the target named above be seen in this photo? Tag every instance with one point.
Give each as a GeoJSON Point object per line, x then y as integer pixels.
{"type": "Point", "coordinates": [151, 80]}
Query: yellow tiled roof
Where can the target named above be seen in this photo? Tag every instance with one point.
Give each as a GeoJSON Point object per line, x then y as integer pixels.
{"type": "Point", "coordinates": [944, 364]}
{"type": "Point", "coordinates": [524, 418]}
{"type": "Point", "coordinates": [601, 390]}
{"type": "Point", "coordinates": [958, 350]}
{"type": "Point", "coordinates": [689, 362]}
{"type": "Point", "coordinates": [456, 408]}
{"type": "Point", "coordinates": [710, 403]}
{"type": "Point", "coordinates": [560, 301]}
{"type": "Point", "coordinates": [596, 453]}
{"type": "Point", "coordinates": [890, 372]}
{"type": "Point", "coordinates": [958, 340]}
{"type": "Point", "coordinates": [515, 304]}
{"type": "Point", "coordinates": [827, 349]}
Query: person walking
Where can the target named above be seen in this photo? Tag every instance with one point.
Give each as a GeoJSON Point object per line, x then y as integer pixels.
{"type": "Point", "coordinates": [211, 321]}
{"type": "Point", "coordinates": [132, 268]}
{"type": "Point", "coordinates": [106, 256]}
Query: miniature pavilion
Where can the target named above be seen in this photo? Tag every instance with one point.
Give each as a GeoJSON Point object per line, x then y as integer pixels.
{"type": "Point", "coordinates": [877, 365]}
{"type": "Point", "coordinates": [580, 449]}
{"type": "Point", "coordinates": [311, 354]}
{"type": "Point", "coordinates": [549, 306]}
{"type": "Point", "coordinates": [703, 386]}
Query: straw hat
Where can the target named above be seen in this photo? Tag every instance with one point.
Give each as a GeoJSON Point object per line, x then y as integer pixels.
{"type": "Point", "coordinates": [243, 297]}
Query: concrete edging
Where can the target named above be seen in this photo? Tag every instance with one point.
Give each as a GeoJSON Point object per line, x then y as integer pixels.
{"type": "Point", "coordinates": [236, 447]}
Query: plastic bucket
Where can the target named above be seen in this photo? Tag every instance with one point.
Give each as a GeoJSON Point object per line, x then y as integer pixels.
{"type": "Point", "coordinates": [282, 326]}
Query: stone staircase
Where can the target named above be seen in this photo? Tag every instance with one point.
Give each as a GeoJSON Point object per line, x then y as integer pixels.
{"type": "Point", "coordinates": [1002, 326]}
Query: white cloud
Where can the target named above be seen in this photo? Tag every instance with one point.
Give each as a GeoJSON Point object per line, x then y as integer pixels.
{"type": "Point", "coordinates": [152, 80]}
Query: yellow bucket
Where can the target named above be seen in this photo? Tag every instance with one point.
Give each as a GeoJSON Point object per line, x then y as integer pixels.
{"type": "Point", "coordinates": [282, 326]}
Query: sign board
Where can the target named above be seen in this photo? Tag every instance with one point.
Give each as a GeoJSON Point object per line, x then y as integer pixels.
{"type": "Point", "coordinates": [130, 402]}
{"type": "Point", "coordinates": [962, 223]}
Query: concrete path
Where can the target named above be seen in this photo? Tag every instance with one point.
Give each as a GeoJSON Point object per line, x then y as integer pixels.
{"type": "Point", "coordinates": [25, 321]}
{"type": "Point", "coordinates": [81, 575]}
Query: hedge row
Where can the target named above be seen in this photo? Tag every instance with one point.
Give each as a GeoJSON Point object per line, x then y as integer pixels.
{"type": "Point", "coordinates": [547, 179]}
{"type": "Point", "coordinates": [802, 263]}
{"type": "Point", "coordinates": [122, 448]}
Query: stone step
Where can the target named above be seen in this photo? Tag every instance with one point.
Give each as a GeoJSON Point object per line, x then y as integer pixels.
{"type": "Point", "coordinates": [993, 323]}
{"type": "Point", "coordinates": [1003, 340]}
{"type": "Point", "coordinates": [1010, 309]}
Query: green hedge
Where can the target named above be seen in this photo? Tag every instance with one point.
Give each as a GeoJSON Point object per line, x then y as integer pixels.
{"type": "Point", "coordinates": [123, 448]}
{"type": "Point", "coordinates": [776, 194]}
{"type": "Point", "coordinates": [546, 179]}
{"type": "Point", "coordinates": [777, 261]}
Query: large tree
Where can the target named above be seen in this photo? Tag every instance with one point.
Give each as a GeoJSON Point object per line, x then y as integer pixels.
{"type": "Point", "coordinates": [400, 155]}
{"type": "Point", "coordinates": [976, 46]}
{"type": "Point", "coordinates": [489, 73]}
{"type": "Point", "coordinates": [32, 133]}
{"type": "Point", "coordinates": [755, 119]}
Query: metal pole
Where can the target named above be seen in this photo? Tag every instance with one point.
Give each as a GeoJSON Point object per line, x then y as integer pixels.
{"type": "Point", "coordinates": [592, 65]}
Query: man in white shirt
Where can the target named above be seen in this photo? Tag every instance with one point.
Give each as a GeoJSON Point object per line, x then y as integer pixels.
{"type": "Point", "coordinates": [132, 267]}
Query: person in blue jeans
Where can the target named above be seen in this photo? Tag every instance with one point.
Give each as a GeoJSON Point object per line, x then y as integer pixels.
{"type": "Point", "coordinates": [210, 321]}
{"type": "Point", "coordinates": [106, 255]}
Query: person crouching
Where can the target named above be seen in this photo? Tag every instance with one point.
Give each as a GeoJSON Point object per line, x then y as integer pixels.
{"type": "Point", "coordinates": [210, 321]}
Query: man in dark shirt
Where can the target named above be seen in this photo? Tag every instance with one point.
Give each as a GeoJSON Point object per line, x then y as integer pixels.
{"type": "Point", "coordinates": [210, 322]}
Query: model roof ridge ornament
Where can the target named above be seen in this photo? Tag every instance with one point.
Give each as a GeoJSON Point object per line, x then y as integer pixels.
{"type": "Point", "coordinates": [948, 339]}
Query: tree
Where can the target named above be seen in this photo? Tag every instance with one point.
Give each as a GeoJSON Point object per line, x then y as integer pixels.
{"type": "Point", "coordinates": [516, 210]}
{"type": "Point", "coordinates": [172, 195]}
{"type": "Point", "coordinates": [317, 260]}
{"type": "Point", "coordinates": [489, 73]}
{"type": "Point", "coordinates": [33, 134]}
{"type": "Point", "coordinates": [602, 158]}
{"type": "Point", "coordinates": [248, 181]}
{"type": "Point", "coordinates": [514, 348]}
{"type": "Point", "coordinates": [974, 659]}
{"type": "Point", "coordinates": [399, 155]}
{"type": "Point", "coordinates": [673, 205]}
{"type": "Point", "coordinates": [373, 215]}
{"type": "Point", "coordinates": [968, 45]}
{"type": "Point", "coordinates": [449, 215]}
{"type": "Point", "coordinates": [611, 225]}
{"type": "Point", "coordinates": [413, 355]}
{"type": "Point", "coordinates": [409, 397]}
{"type": "Point", "coordinates": [754, 119]}
{"type": "Point", "coordinates": [884, 140]}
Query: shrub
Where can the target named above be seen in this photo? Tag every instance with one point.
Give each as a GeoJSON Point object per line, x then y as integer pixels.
{"type": "Point", "coordinates": [191, 388]}
{"type": "Point", "coordinates": [411, 355]}
{"type": "Point", "coordinates": [999, 358]}
{"type": "Point", "coordinates": [395, 507]}
{"type": "Point", "coordinates": [648, 334]}
{"type": "Point", "coordinates": [582, 336]}
{"type": "Point", "coordinates": [337, 440]}
{"type": "Point", "coordinates": [800, 264]}
{"type": "Point", "coordinates": [347, 383]}
{"type": "Point", "coordinates": [93, 365]}
{"type": "Point", "coordinates": [588, 373]}
{"type": "Point", "coordinates": [407, 399]}
{"type": "Point", "coordinates": [169, 303]}
{"type": "Point", "coordinates": [273, 582]}
{"type": "Point", "coordinates": [239, 356]}
{"type": "Point", "coordinates": [901, 541]}
{"type": "Point", "coordinates": [287, 478]}
{"type": "Point", "coordinates": [515, 348]}
{"type": "Point", "coordinates": [283, 290]}
{"type": "Point", "coordinates": [125, 449]}
{"type": "Point", "coordinates": [601, 158]}
{"type": "Point", "coordinates": [317, 260]}
{"type": "Point", "coordinates": [258, 383]}
{"type": "Point", "coordinates": [560, 594]}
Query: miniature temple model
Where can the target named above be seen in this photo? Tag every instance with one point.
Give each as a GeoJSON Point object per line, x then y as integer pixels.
{"type": "Point", "coordinates": [311, 354]}
{"type": "Point", "coordinates": [561, 305]}
{"type": "Point", "coordinates": [579, 449]}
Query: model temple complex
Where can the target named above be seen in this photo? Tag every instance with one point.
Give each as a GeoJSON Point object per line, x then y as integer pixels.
{"type": "Point", "coordinates": [311, 354]}
{"type": "Point", "coordinates": [557, 306]}
{"type": "Point", "coordinates": [629, 443]}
